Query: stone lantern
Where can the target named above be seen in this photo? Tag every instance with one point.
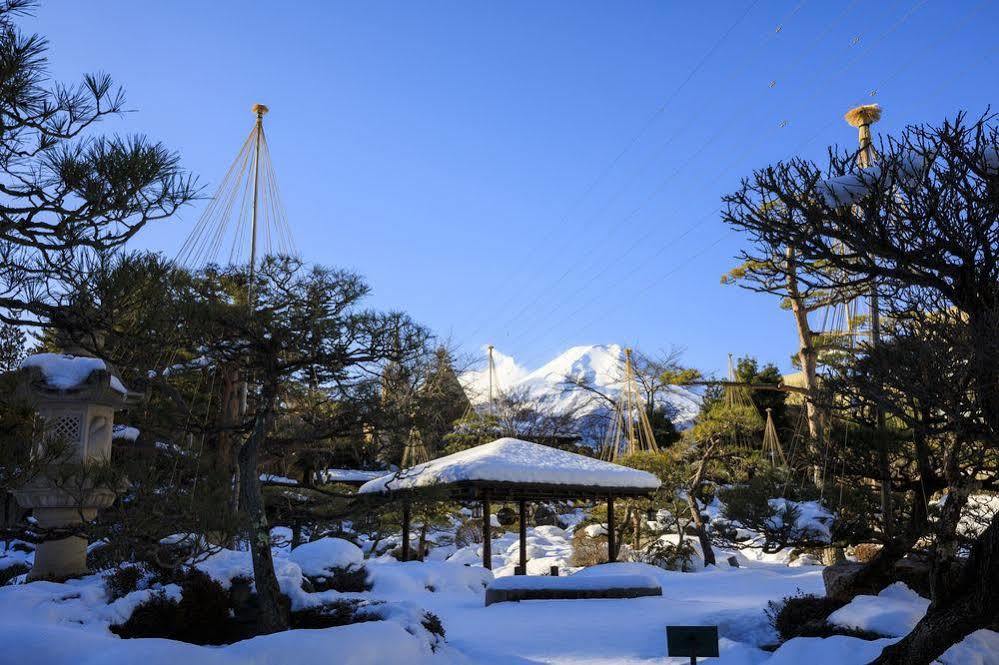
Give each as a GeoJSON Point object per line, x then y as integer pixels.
{"type": "Point", "coordinates": [76, 397]}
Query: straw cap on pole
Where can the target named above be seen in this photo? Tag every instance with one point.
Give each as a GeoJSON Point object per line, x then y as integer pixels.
{"type": "Point", "coordinates": [866, 114]}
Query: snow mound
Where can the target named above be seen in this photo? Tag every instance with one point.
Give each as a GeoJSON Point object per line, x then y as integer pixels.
{"type": "Point", "coordinates": [66, 372]}
{"type": "Point", "coordinates": [513, 460]}
{"type": "Point", "coordinates": [318, 557]}
{"type": "Point", "coordinates": [836, 650]}
{"type": "Point", "coordinates": [356, 644]}
{"type": "Point", "coordinates": [402, 577]}
{"type": "Point", "coordinates": [979, 648]}
{"type": "Point", "coordinates": [893, 612]}
{"type": "Point", "coordinates": [547, 546]}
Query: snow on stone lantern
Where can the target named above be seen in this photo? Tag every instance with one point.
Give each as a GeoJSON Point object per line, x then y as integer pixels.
{"type": "Point", "coordinates": [76, 397]}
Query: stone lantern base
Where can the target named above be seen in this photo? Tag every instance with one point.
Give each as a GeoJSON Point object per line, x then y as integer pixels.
{"type": "Point", "coordinates": [53, 508]}
{"type": "Point", "coordinates": [60, 559]}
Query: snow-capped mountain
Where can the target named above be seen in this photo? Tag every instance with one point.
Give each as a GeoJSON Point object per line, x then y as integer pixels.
{"type": "Point", "coordinates": [600, 366]}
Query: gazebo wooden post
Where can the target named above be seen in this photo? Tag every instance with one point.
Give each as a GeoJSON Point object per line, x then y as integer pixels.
{"type": "Point", "coordinates": [487, 536]}
{"type": "Point", "coordinates": [405, 530]}
{"type": "Point", "coordinates": [523, 536]}
{"type": "Point", "coordinates": [611, 545]}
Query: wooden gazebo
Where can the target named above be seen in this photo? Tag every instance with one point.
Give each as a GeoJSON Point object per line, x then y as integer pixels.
{"type": "Point", "coordinates": [511, 470]}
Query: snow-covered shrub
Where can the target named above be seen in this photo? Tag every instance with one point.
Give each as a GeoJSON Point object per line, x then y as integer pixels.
{"type": "Point", "coordinates": [123, 580]}
{"type": "Point", "coordinates": [337, 612]}
{"type": "Point", "coordinates": [12, 571]}
{"type": "Point", "coordinates": [806, 615]}
{"type": "Point", "coordinates": [433, 625]}
{"type": "Point", "coordinates": [344, 579]}
{"type": "Point", "coordinates": [664, 553]}
{"type": "Point", "coordinates": [202, 615]}
{"type": "Point", "coordinates": [332, 564]}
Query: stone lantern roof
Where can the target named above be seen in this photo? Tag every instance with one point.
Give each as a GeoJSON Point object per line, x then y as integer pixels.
{"type": "Point", "coordinates": [57, 377]}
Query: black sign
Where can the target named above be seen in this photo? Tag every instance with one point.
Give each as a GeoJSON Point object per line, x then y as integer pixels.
{"type": "Point", "coordinates": [697, 641]}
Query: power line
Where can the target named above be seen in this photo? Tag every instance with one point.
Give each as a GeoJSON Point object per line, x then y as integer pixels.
{"type": "Point", "coordinates": [539, 293]}
{"type": "Point", "coordinates": [699, 253]}
{"type": "Point", "coordinates": [652, 119]}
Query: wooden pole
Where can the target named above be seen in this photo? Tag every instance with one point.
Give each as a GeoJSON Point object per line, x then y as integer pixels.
{"type": "Point", "coordinates": [611, 545]}
{"type": "Point", "coordinates": [523, 537]}
{"type": "Point", "coordinates": [405, 531]}
{"type": "Point", "coordinates": [487, 536]}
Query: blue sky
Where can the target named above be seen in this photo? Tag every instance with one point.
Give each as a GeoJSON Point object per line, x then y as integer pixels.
{"type": "Point", "coordinates": [531, 174]}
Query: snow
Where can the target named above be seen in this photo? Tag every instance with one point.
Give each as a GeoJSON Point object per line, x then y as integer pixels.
{"type": "Point", "coordinates": [979, 648]}
{"type": "Point", "coordinates": [575, 582]}
{"type": "Point", "coordinates": [393, 578]}
{"type": "Point", "coordinates": [66, 624]}
{"type": "Point", "coordinates": [513, 460]}
{"type": "Point", "coordinates": [348, 475]}
{"type": "Point", "coordinates": [278, 480]}
{"type": "Point", "coordinates": [836, 650]}
{"type": "Point", "coordinates": [66, 372]}
{"type": "Point", "coordinates": [813, 518]}
{"type": "Point", "coordinates": [547, 546]}
{"type": "Point", "coordinates": [893, 612]}
{"type": "Point", "coordinates": [124, 432]}
{"type": "Point", "coordinates": [318, 557]}
{"type": "Point", "coordinates": [357, 644]}
{"type": "Point", "coordinates": [599, 365]}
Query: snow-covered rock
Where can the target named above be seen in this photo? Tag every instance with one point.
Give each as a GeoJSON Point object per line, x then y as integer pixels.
{"type": "Point", "coordinates": [893, 612]}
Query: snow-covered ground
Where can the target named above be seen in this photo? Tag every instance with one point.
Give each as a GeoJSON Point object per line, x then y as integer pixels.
{"type": "Point", "coordinates": [67, 624]}
{"type": "Point", "coordinates": [45, 622]}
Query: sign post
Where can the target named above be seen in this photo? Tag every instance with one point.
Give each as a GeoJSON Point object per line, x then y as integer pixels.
{"type": "Point", "coordinates": [692, 641]}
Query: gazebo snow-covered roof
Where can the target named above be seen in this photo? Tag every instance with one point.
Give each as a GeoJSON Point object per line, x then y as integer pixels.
{"type": "Point", "coordinates": [513, 470]}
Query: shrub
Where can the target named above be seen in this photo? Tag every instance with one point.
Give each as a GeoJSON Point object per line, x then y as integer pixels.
{"type": "Point", "coordinates": [805, 615]}
{"type": "Point", "coordinates": [203, 613]}
{"type": "Point", "coordinates": [201, 616]}
{"type": "Point", "coordinates": [154, 617]}
{"type": "Point", "coordinates": [671, 556]}
{"type": "Point", "coordinates": [864, 552]}
{"type": "Point", "coordinates": [353, 578]}
{"type": "Point", "coordinates": [433, 624]}
{"type": "Point", "coordinates": [8, 574]}
{"type": "Point", "coordinates": [587, 551]}
{"type": "Point", "coordinates": [123, 580]}
{"type": "Point", "coordinates": [334, 613]}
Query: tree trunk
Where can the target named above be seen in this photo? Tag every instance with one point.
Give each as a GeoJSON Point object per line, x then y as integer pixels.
{"type": "Point", "coordinates": [971, 603]}
{"type": "Point", "coordinates": [422, 543]}
{"type": "Point", "coordinates": [945, 530]}
{"type": "Point", "coordinates": [273, 608]}
{"type": "Point", "coordinates": [809, 360]}
{"type": "Point", "coordinates": [702, 534]}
